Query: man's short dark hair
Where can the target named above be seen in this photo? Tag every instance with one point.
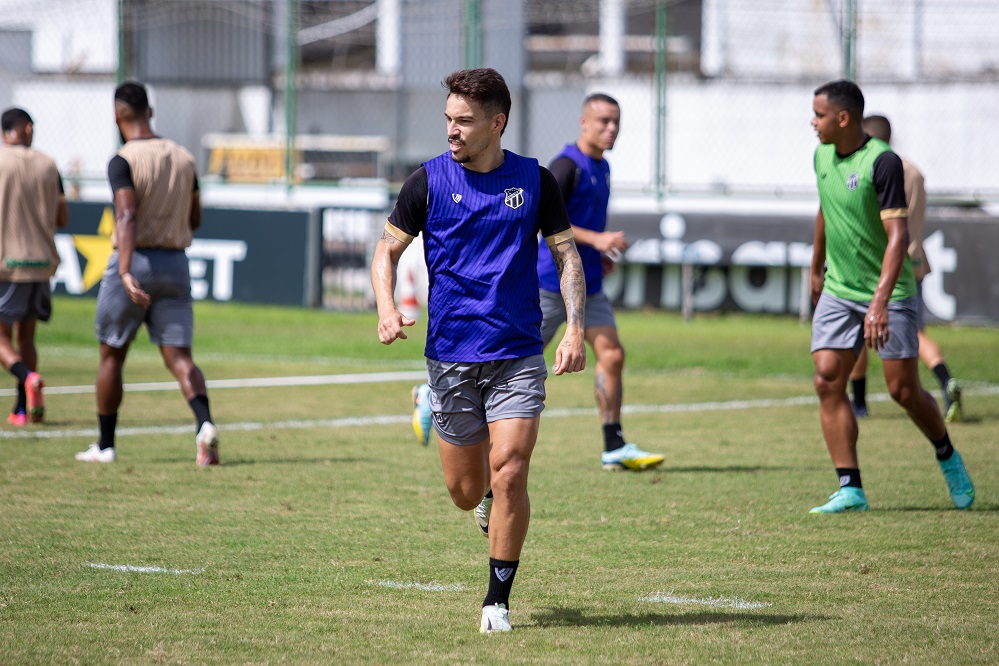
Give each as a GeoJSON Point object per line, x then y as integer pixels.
{"type": "Point", "coordinates": [878, 127]}
{"type": "Point", "coordinates": [845, 95]}
{"type": "Point", "coordinates": [134, 95]}
{"type": "Point", "coordinates": [600, 97]}
{"type": "Point", "coordinates": [14, 118]}
{"type": "Point", "coordinates": [484, 86]}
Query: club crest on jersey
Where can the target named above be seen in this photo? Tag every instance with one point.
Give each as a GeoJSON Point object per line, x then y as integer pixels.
{"type": "Point", "coordinates": [852, 181]}
{"type": "Point", "coordinates": [514, 197]}
{"type": "Point", "coordinates": [456, 197]}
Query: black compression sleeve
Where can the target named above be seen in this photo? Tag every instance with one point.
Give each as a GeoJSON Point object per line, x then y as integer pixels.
{"type": "Point", "coordinates": [566, 173]}
{"type": "Point", "coordinates": [552, 216]}
{"type": "Point", "coordinates": [120, 174]}
{"type": "Point", "coordinates": [889, 181]}
{"type": "Point", "coordinates": [410, 212]}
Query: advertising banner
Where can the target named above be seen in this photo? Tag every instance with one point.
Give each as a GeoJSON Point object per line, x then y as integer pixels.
{"type": "Point", "coordinates": [754, 262]}
{"type": "Point", "coordinates": [252, 256]}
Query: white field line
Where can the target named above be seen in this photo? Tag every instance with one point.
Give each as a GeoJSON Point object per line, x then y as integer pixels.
{"type": "Point", "coordinates": [714, 602]}
{"type": "Point", "coordinates": [393, 419]}
{"type": "Point", "coordinates": [132, 569]}
{"type": "Point", "coordinates": [253, 382]}
{"type": "Point", "coordinates": [426, 587]}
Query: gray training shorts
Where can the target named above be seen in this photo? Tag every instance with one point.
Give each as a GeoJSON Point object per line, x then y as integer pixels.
{"type": "Point", "coordinates": [598, 312]}
{"type": "Point", "coordinates": [21, 301]}
{"type": "Point", "coordinates": [839, 324]}
{"type": "Point", "coordinates": [166, 277]}
{"type": "Point", "coordinates": [466, 397]}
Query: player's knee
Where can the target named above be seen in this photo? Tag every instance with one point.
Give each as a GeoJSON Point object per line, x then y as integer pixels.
{"type": "Point", "coordinates": [464, 501]}
{"type": "Point", "coordinates": [509, 477]}
{"type": "Point", "coordinates": [464, 494]}
{"type": "Point", "coordinates": [906, 394]}
{"type": "Point", "coordinates": [613, 358]}
{"type": "Point", "coordinates": [178, 363]}
{"type": "Point", "coordinates": [829, 384]}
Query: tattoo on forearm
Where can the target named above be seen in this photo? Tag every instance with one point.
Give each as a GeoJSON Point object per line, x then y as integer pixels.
{"type": "Point", "coordinates": [559, 261]}
{"type": "Point", "coordinates": [571, 279]}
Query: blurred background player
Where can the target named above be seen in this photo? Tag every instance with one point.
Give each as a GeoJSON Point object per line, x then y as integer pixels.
{"type": "Point", "coordinates": [32, 207]}
{"type": "Point", "coordinates": [422, 425]}
{"type": "Point", "coordinates": [865, 292]}
{"type": "Point", "coordinates": [583, 177]}
{"type": "Point", "coordinates": [929, 350]}
{"type": "Point", "coordinates": [480, 209]}
{"type": "Point", "coordinates": [148, 280]}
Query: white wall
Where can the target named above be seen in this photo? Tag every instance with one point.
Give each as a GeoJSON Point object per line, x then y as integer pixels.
{"type": "Point", "coordinates": [899, 39]}
{"type": "Point", "coordinates": [69, 35]}
{"type": "Point", "coordinates": [74, 123]}
{"type": "Point", "coordinates": [748, 137]}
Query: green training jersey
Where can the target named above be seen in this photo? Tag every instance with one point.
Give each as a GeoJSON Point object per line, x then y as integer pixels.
{"type": "Point", "coordinates": [856, 193]}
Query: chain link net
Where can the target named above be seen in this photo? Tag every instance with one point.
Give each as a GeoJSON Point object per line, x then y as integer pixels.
{"type": "Point", "coordinates": [737, 100]}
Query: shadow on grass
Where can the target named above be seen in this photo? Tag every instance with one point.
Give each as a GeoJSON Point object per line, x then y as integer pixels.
{"type": "Point", "coordinates": [239, 462]}
{"type": "Point", "coordinates": [572, 617]}
{"type": "Point", "coordinates": [899, 415]}
{"type": "Point", "coordinates": [976, 508]}
{"type": "Point", "coordinates": [706, 469]}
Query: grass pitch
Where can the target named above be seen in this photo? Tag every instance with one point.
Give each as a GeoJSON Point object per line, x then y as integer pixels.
{"type": "Point", "coordinates": [327, 535]}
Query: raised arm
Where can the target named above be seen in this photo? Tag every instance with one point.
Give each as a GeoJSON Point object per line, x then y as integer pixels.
{"type": "Point", "coordinates": [62, 208]}
{"type": "Point", "coordinates": [889, 183]}
{"type": "Point", "coordinates": [570, 355]}
{"type": "Point", "coordinates": [194, 217]}
{"type": "Point", "coordinates": [406, 221]}
{"type": "Point", "coordinates": [125, 222]}
{"type": "Point", "coordinates": [384, 267]}
{"type": "Point", "coordinates": [876, 323]}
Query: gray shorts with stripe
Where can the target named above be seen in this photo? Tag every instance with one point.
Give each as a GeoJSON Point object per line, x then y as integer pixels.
{"type": "Point", "coordinates": [839, 324]}
{"type": "Point", "coordinates": [466, 397]}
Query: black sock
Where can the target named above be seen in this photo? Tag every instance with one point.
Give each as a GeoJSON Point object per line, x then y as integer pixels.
{"type": "Point", "coordinates": [20, 370]}
{"type": "Point", "coordinates": [848, 477]}
{"type": "Point", "coordinates": [859, 391]}
{"type": "Point", "coordinates": [22, 400]}
{"type": "Point", "coordinates": [613, 436]}
{"type": "Point", "coordinates": [501, 574]}
{"type": "Point", "coordinates": [199, 405]}
{"type": "Point", "coordinates": [107, 423]}
{"type": "Point", "coordinates": [943, 447]}
{"type": "Point", "coordinates": [943, 375]}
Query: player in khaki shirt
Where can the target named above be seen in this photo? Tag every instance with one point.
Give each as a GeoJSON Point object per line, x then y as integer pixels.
{"type": "Point", "coordinates": [148, 281]}
{"type": "Point", "coordinates": [929, 351]}
{"type": "Point", "coordinates": [32, 206]}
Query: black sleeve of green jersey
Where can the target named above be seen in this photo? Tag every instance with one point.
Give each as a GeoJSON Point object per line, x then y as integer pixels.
{"type": "Point", "coordinates": [552, 216]}
{"type": "Point", "coordinates": [889, 181]}
{"type": "Point", "coordinates": [566, 172]}
{"type": "Point", "coordinates": [410, 212]}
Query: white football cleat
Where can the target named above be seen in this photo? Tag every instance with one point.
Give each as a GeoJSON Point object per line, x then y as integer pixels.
{"type": "Point", "coordinates": [208, 445]}
{"type": "Point", "coordinates": [96, 454]}
{"type": "Point", "coordinates": [482, 513]}
{"type": "Point", "coordinates": [495, 618]}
